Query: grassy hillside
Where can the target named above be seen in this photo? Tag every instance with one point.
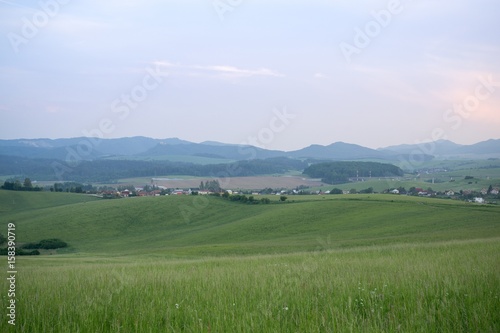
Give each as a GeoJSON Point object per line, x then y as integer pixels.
{"type": "Point", "coordinates": [16, 201]}
{"type": "Point", "coordinates": [196, 225]}
{"type": "Point", "coordinates": [384, 184]}
{"type": "Point", "coordinates": [355, 263]}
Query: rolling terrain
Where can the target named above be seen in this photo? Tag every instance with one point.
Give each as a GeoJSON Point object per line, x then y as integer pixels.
{"type": "Point", "coordinates": [371, 263]}
{"type": "Point", "coordinates": [205, 225]}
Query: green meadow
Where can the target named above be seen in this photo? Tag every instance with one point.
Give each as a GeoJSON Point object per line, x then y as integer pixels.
{"type": "Point", "coordinates": [453, 182]}
{"type": "Point", "coordinates": [353, 263]}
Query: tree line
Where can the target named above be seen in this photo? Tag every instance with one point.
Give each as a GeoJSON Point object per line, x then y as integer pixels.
{"type": "Point", "coordinates": [341, 172]}
{"type": "Point", "coordinates": [16, 185]}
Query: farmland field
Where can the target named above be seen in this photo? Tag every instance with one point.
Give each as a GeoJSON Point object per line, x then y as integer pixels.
{"type": "Point", "coordinates": [370, 263]}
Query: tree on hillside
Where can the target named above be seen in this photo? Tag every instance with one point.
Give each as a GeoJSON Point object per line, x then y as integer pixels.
{"type": "Point", "coordinates": [12, 185]}
{"type": "Point", "coordinates": [27, 184]}
{"type": "Point", "coordinates": [212, 186]}
{"type": "Point", "coordinates": [58, 187]}
{"type": "Point", "coordinates": [367, 190]}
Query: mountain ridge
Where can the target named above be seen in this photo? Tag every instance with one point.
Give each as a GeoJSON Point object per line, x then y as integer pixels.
{"type": "Point", "coordinates": [89, 148]}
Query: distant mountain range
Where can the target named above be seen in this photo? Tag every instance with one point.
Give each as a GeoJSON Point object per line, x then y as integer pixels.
{"type": "Point", "coordinates": [147, 148]}
{"type": "Point", "coordinates": [449, 149]}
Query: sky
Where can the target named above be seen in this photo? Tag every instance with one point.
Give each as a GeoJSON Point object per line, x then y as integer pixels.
{"type": "Point", "coordinates": [276, 74]}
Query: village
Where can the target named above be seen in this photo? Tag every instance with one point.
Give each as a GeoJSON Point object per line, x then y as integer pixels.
{"type": "Point", "coordinates": [485, 195]}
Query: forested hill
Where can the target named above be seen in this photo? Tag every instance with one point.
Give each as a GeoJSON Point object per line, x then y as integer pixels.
{"type": "Point", "coordinates": [340, 172]}
{"type": "Point", "coordinates": [111, 170]}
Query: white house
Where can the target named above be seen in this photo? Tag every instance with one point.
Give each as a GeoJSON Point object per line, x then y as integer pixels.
{"type": "Point", "coordinates": [479, 200]}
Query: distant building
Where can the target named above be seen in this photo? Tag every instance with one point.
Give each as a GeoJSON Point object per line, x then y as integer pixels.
{"type": "Point", "coordinates": [479, 200]}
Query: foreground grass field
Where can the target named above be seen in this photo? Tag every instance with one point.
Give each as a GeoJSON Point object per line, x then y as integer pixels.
{"type": "Point", "coordinates": [355, 263]}
{"type": "Point", "coordinates": [437, 287]}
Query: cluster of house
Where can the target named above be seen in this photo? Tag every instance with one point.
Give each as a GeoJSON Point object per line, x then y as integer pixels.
{"type": "Point", "coordinates": [494, 191]}
{"type": "Point", "coordinates": [451, 193]}
{"type": "Point", "coordinates": [418, 191]}
{"type": "Point", "coordinates": [163, 191]}
{"type": "Point", "coordinates": [483, 191]}
{"type": "Point", "coordinates": [140, 192]}
{"type": "Point", "coordinates": [127, 193]}
{"type": "Point", "coordinates": [329, 192]}
{"type": "Point", "coordinates": [157, 192]}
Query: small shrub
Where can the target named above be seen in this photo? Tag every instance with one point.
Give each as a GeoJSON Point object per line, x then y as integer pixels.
{"type": "Point", "coordinates": [47, 244]}
{"type": "Point", "coordinates": [53, 243]}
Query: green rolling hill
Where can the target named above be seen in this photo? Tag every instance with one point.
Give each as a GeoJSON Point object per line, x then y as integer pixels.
{"type": "Point", "coordinates": [192, 226]}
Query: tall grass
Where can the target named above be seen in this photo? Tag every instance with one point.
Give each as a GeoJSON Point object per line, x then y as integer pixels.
{"type": "Point", "coordinates": [439, 287]}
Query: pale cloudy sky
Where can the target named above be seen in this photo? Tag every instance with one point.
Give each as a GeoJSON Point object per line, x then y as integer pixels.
{"type": "Point", "coordinates": [285, 73]}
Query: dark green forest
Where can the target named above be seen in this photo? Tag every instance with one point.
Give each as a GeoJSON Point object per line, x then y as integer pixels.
{"type": "Point", "coordinates": [340, 172]}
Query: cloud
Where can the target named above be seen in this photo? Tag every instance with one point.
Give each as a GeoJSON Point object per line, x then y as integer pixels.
{"type": "Point", "coordinates": [164, 63]}
{"type": "Point", "coordinates": [221, 71]}
{"type": "Point", "coordinates": [320, 76]}
{"type": "Point", "coordinates": [240, 72]}
{"type": "Point", "coordinates": [70, 25]}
